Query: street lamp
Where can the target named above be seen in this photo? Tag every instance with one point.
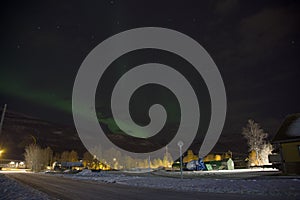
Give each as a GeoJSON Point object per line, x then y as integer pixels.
{"type": "Point", "coordinates": [180, 144]}
{"type": "Point", "coordinates": [115, 163]}
{"type": "Point", "coordinates": [1, 151]}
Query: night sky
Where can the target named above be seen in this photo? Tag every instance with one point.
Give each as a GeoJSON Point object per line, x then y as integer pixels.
{"type": "Point", "coordinates": [255, 45]}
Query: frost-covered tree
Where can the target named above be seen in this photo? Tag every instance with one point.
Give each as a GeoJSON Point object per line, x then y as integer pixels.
{"type": "Point", "coordinates": [129, 162]}
{"type": "Point", "coordinates": [73, 156]}
{"type": "Point", "coordinates": [255, 136]}
{"type": "Point", "coordinates": [65, 156]}
{"type": "Point", "coordinates": [69, 156]}
{"type": "Point", "coordinates": [37, 158]}
{"type": "Point", "coordinates": [113, 157]}
{"type": "Point", "coordinates": [167, 159]}
{"type": "Point", "coordinates": [47, 156]}
{"type": "Point", "coordinates": [88, 159]}
{"type": "Point", "coordinates": [265, 151]}
{"type": "Point", "coordinates": [97, 153]}
{"type": "Point", "coordinates": [157, 163]}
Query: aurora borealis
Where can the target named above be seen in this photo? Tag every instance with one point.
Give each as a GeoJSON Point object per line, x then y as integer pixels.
{"type": "Point", "coordinates": [254, 44]}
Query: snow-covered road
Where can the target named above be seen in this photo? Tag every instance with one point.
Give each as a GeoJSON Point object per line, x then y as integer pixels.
{"type": "Point", "coordinates": [120, 185]}
{"type": "Point", "coordinates": [66, 188]}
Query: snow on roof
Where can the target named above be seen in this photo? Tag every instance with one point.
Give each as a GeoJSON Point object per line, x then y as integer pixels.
{"type": "Point", "coordinates": [289, 130]}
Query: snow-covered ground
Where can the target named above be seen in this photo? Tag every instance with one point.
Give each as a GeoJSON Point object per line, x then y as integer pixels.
{"type": "Point", "coordinates": [10, 189]}
{"type": "Point", "coordinates": [256, 182]}
{"type": "Point", "coordinates": [268, 186]}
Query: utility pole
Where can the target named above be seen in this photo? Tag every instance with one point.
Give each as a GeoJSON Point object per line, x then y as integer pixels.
{"type": "Point", "coordinates": [149, 163]}
{"type": "Point", "coordinates": [2, 118]}
{"type": "Point", "coordinates": [180, 144]}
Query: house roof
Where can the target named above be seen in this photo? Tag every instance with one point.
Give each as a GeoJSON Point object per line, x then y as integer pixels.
{"type": "Point", "coordinates": [289, 129]}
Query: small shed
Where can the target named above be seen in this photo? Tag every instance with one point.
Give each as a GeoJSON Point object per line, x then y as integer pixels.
{"type": "Point", "coordinates": [228, 164]}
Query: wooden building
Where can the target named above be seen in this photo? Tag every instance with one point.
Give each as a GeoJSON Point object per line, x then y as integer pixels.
{"type": "Point", "coordinates": [287, 142]}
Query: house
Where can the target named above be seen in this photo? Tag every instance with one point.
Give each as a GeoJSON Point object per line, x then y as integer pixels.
{"type": "Point", "coordinates": [67, 165]}
{"type": "Point", "coordinates": [287, 142]}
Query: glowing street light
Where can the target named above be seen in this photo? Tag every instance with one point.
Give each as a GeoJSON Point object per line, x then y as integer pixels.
{"type": "Point", "coordinates": [1, 152]}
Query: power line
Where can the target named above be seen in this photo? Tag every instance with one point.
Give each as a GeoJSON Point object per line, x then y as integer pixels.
{"type": "Point", "coordinates": [2, 117]}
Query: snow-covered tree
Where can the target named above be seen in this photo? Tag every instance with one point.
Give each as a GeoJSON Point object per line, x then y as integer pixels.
{"type": "Point", "coordinates": [73, 156]}
{"type": "Point", "coordinates": [157, 163]}
{"type": "Point", "coordinates": [113, 157]}
{"type": "Point", "coordinates": [69, 156]}
{"type": "Point", "coordinates": [65, 156]}
{"type": "Point", "coordinates": [37, 158]}
{"type": "Point", "coordinates": [265, 151]}
{"type": "Point", "coordinates": [255, 136]}
{"type": "Point", "coordinates": [88, 159]}
{"type": "Point", "coordinates": [129, 162]}
{"type": "Point", "coordinates": [167, 159]}
{"type": "Point", "coordinates": [97, 152]}
{"type": "Point", "coordinates": [48, 156]}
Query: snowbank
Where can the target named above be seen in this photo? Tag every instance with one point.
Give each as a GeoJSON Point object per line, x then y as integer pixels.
{"type": "Point", "coordinates": [267, 186]}
{"type": "Point", "coordinates": [10, 189]}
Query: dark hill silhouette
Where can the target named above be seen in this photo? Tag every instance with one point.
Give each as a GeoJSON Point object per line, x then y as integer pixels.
{"type": "Point", "coordinates": [20, 130]}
